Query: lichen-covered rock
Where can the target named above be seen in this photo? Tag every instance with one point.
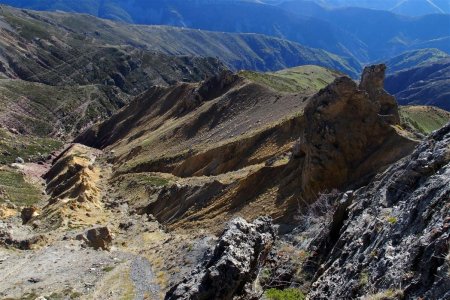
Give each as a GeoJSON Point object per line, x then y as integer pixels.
{"type": "Point", "coordinates": [234, 264]}
{"type": "Point", "coordinates": [395, 238]}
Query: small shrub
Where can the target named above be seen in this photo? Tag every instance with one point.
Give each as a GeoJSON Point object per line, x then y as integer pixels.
{"type": "Point", "coordinates": [265, 274]}
{"type": "Point", "coordinates": [286, 294]}
{"type": "Point", "coordinates": [322, 208]}
{"type": "Point", "coordinates": [364, 279]}
{"type": "Point", "coordinates": [392, 220]}
{"type": "Point", "coordinates": [108, 269]}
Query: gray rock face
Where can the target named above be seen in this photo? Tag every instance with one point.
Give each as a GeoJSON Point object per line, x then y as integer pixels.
{"type": "Point", "coordinates": [234, 264]}
{"type": "Point", "coordinates": [394, 238]}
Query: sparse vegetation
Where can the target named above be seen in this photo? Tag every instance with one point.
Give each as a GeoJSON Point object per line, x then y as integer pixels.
{"type": "Point", "coordinates": [108, 269]}
{"type": "Point", "coordinates": [363, 278]}
{"type": "Point", "coordinates": [14, 188]}
{"type": "Point", "coordinates": [286, 294]}
{"type": "Point", "coordinates": [29, 148]}
{"type": "Point", "coordinates": [322, 209]}
{"type": "Point", "coordinates": [56, 110]}
{"type": "Point", "coordinates": [68, 294]}
{"type": "Point", "coordinates": [392, 220]}
{"type": "Point", "coordinates": [26, 296]}
{"type": "Point", "coordinates": [168, 171]}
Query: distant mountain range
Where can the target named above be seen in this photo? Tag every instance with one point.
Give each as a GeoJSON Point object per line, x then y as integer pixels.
{"type": "Point", "coordinates": [414, 59]}
{"type": "Point", "coordinates": [383, 33]}
{"type": "Point", "coordinates": [402, 7]}
{"type": "Point", "coordinates": [427, 84]}
{"type": "Point", "coordinates": [237, 51]}
{"type": "Point", "coordinates": [361, 33]}
{"type": "Point", "coordinates": [382, 37]}
{"type": "Point", "coordinates": [47, 58]}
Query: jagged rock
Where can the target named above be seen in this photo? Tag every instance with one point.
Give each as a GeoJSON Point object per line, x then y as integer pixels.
{"type": "Point", "coordinates": [372, 81]}
{"type": "Point", "coordinates": [347, 138]}
{"type": "Point", "coordinates": [97, 238]}
{"type": "Point", "coordinates": [234, 264]}
{"type": "Point", "coordinates": [217, 85]}
{"type": "Point", "coordinates": [19, 160]}
{"type": "Point", "coordinates": [394, 238]}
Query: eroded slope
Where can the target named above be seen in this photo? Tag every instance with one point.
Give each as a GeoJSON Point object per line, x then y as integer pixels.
{"type": "Point", "coordinates": [231, 145]}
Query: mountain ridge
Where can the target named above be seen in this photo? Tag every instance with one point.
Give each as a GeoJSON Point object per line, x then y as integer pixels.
{"type": "Point", "coordinates": [135, 164]}
{"type": "Point", "coordinates": [349, 32]}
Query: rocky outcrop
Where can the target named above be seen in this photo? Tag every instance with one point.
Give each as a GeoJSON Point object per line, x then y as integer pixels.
{"type": "Point", "coordinates": [28, 213]}
{"type": "Point", "coordinates": [97, 238]}
{"type": "Point", "coordinates": [348, 135]}
{"type": "Point", "coordinates": [372, 81]}
{"type": "Point", "coordinates": [393, 239]}
{"type": "Point", "coordinates": [233, 266]}
{"type": "Point", "coordinates": [74, 176]}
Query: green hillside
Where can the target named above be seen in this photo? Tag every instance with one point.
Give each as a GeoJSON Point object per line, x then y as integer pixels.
{"type": "Point", "coordinates": [424, 119]}
{"type": "Point", "coordinates": [304, 79]}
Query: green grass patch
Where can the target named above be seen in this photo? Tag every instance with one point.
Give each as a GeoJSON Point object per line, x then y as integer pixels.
{"type": "Point", "coordinates": [423, 119]}
{"type": "Point", "coordinates": [143, 179]}
{"type": "Point", "coordinates": [286, 294]}
{"type": "Point", "coordinates": [392, 220]}
{"type": "Point", "coordinates": [30, 148]}
{"type": "Point", "coordinates": [304, 79]}
{"type": "Point", "coordinates": [14, 188]}
{"type": "Point", "coordinates": [108, 269]}
{"type": "Point", "coordinates": [364, 278]}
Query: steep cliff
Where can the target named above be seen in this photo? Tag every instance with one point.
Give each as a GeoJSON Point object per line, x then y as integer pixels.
{"type": "Point", "coordinates": [393, 237]}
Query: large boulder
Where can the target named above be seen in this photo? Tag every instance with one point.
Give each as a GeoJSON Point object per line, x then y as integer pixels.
{"type": "Point", "coordinates": [97, 238]}
{"type": "Point", "coordinates": [28, 213]}
{"type": "Point", "coordinates": [350, 135]}
{"type": "Point", "coordinates": [234, 264]}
